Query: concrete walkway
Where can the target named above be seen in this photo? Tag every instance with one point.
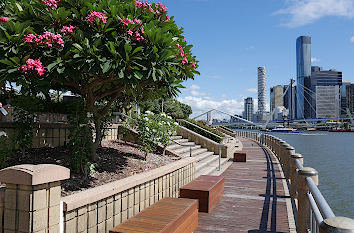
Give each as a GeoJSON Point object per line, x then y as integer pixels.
{"type": "Point", "coordinates": [254, 200]}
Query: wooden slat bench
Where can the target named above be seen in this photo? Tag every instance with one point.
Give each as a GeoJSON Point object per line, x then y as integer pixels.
{"type": "Point", "coordinates": [169, 215]}
{"type": "Point", "coordinates": [207, 189]}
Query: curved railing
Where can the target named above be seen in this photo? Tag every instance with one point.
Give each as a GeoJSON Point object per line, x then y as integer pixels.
{"type": "Point", "coordinates": [313, 212]}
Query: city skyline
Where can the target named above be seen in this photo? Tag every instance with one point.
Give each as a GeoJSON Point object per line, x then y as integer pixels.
{"type": "Point", "coordinates": [235, 41]}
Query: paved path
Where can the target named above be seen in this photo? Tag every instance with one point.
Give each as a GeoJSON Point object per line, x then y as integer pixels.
{"type": "Point", "coordinates": [254, 198]}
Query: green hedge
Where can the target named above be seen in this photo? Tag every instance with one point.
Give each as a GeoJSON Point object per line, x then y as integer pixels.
{"type": "Point", "coordinates": [208, 134]}
{"type": "Point", "coordinates": [226, 128]}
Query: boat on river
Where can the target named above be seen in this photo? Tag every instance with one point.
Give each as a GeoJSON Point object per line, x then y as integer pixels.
{"type": "Point", "coordinates": [285, 130]}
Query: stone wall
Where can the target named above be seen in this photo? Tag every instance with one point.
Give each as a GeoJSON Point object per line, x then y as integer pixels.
{"type": "Point", "coordinates": [100, 209]}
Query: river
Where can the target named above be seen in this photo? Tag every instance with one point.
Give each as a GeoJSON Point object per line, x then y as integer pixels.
{"type": "Point", "coordinates": [332, 155]}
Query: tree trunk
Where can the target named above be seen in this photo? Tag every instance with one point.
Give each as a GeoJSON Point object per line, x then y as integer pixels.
{"type": "Point", "coordinates": [97, 142]}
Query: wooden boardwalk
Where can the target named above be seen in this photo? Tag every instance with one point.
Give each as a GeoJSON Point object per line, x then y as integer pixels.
{"type": "Point", "coordinates": [254, 198]}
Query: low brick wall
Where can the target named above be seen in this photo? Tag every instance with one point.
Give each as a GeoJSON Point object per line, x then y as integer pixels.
{"type": "Point", "coordinates": [100, 209]}
{"type": "Point", "coordinates": [53, 134]}
{"type": "Point", "coordinates": [45, 135]}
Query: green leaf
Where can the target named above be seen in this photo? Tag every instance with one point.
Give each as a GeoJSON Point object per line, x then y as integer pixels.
{"type": "Point", "coordinates": [128, 48]}
{"type": "Point", "coordinates": [11, 71]}
{"type": "Point", "coordinates": [16, 60]}
{"type": "Point", "coordinates": [60, 70]}
{"type": "Point", "coordinates": [106, 66]}
{"type": "Point", "coordinates": [154, 74]}
{"type": "Point", "coordinates": [7, 62]}
{"type": "Point", "coordinates": [76, 45]}
{"type": "Point", "coordinates": [19, 7]}
{"type": "Point", "coordinates": [155, 49]}
{"type": "Point", "coordinates": [138, 75]}
{"type": "Point", "coordinates": [137, 50]}
{"type": "Point", "coordinates": [50, 66]}
{"type": "Point", "coordinates": [121, 74]}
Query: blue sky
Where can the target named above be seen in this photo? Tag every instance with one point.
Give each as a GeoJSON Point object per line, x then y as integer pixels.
{"type": "Point", "coordinates": [232, 38]}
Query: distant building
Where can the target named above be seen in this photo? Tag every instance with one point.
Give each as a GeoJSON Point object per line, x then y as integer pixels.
{"type": "Point", "coordinates": [276, 94]}
{"type": "Point", "coordinates": [248, 109]}
{"type": "Point", "coordinates": [280, 113]}
{"type": "Point", "coordinates": [286, 96]}
{"type": "Point", "coordinates": [320, 77]}
{"type": "Point", "coordinates": [327, 101]}
{"type": "Point", "coordinates": [303, 73]}
{"type": "Point", "coordinates": [350, 97]}
{"type": "Point", "coordinates": [261, 89]}
{"type": "Point", "coordinates": [343, 96]}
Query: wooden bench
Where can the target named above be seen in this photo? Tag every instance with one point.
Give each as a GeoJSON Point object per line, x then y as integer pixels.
{"type": "Point", "coordinates": [178, 215]}
{"type": "Point", "coordinates": [207, 189]}
{"type": "Point", "coordinates": [240, 156]}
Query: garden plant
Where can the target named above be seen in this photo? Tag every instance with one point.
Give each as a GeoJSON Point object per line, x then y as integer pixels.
{"type": "Point", "coordinates": [106, 51]}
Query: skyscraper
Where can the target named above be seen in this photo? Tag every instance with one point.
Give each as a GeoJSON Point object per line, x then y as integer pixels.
{"type": "Point", "coordinates": [327, 101]}
{"type": "Point", "coordinates": [322, 78]}
{"type": "Point", "coordinates": [261, 89]}
{"type": "Point", "coordinates": [350, 97]}
{"type": "Point", "coordinates": [343, 100]}
{"type": "Point", "coordinates": [248, 109]}
{"type": "Point", "coordinates": [276, 94]}
{"type": "Point", "coordinates": [303, 73]}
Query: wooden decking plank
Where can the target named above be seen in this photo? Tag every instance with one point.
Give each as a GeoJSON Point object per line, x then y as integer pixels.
{"type": "Point", "coordinates": [254, 197]}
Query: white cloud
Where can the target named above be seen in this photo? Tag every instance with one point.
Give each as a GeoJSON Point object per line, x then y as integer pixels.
{"type": "Point", "coordinates": [314, 59]}
{"type": "Point", "coordinates": [194, 87]}
{"type": "Point", "coordinates": [304, 12]}
{"type": "Point", "coordinates": [197, 93]}
{"type": "Point", "coordinates": [252, 90]}
{"type": "Point", "coordinates": [203, 104]}
{"type": "Point", "coordinates": [194, 90]}
{"type": "Point", "coordinates": [352, 38]}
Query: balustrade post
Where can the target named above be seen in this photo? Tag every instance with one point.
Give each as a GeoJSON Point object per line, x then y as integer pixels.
{"type": "Point", "coordinates": [289, 152]}
{"type": "Point", "coordinates": [32, 197]}
{"type": "Point", "coordinates": [280, 150]}
{"type": "Point", "coordinates": [337, 225]}
{"type": "Point", "coordinates": [303, 213]}
{"type": "Point", "coordinates": [293, 176]}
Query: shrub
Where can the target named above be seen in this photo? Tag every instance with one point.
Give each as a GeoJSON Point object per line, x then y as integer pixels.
{"type": "Point", "coordinates": [5, 150]}
{"type": "Point", "coordinates": [154, 130]}
{"type": "Point", "coordinates": [80, 140]}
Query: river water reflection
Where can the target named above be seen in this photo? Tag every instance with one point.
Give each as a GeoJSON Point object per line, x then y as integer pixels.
{"type": "Point", "coordinates": [332, 155]}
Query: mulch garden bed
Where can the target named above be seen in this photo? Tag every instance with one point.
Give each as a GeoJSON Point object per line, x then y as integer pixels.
{"type": "Point", "coordinates": [116, 160]}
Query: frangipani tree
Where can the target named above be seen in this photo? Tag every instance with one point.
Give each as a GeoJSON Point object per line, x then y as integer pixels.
{"type": "Point", "coordinates": [103, 50]}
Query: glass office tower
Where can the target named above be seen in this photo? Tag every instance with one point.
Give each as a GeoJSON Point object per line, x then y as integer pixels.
{"type": "Point", "coordinates": [303, 73]}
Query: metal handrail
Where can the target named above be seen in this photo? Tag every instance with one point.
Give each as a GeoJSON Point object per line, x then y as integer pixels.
{"type": "Point", "coordinates": [321, 202]}
{"type": "Point", "coordinates": [199, 128]}
{"type": "Point", "coordinates": [314, 208]}
{"type": "Point", "coordinates": [298, 164]}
